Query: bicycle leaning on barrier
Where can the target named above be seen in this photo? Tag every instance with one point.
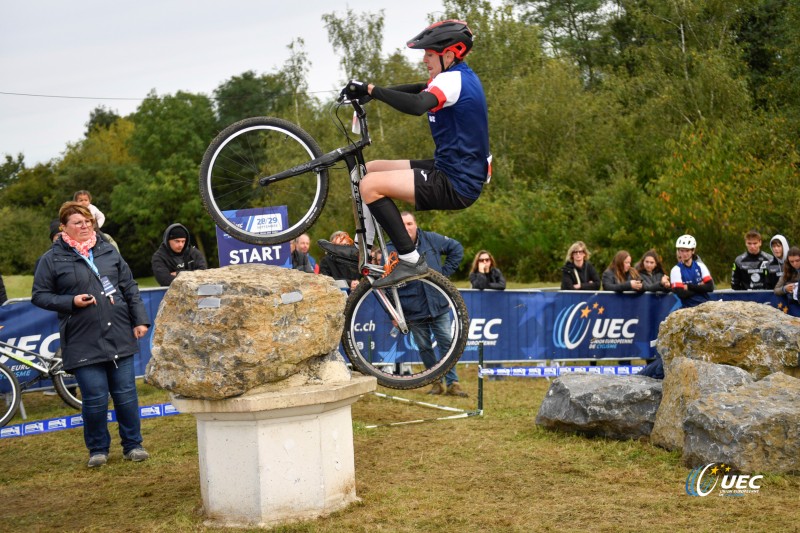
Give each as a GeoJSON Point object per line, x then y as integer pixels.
{"type": "Point", "coordinates": [260, 167]}
{"type": "Point", "coordinates": [47, 367]}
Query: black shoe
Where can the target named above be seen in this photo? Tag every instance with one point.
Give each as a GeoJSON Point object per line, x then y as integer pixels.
{"type": "Point", "coordinates": [350, 253]}
{"type": "Point", "coordinates": [401, 271]}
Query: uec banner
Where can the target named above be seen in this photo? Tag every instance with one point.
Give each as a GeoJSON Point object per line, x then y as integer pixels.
{"type": "Point", "coordinates": [513, 325]}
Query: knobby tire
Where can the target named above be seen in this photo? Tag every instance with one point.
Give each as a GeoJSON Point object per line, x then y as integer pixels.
{"type": "Point", "coordinates": [251, 149]}
{"type": "Point", "coordinates": [9, 400]}
{"type": "Point", "coordinates": [368, 351]}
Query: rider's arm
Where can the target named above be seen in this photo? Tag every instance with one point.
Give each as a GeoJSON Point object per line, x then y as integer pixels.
{"type": "Point", "coordinates": [413, 104]}
{"type": "Point", "coordinates": [412, 88]}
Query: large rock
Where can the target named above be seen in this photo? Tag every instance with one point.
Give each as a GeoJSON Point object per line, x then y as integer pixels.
{"type": "Point", "coordinates": [617, 407]}
{"type": "Point", "coordinates": [754, 427]}
{"type": "Point", "coordinates": [685, 381]}
{"type": "Point", "coordinates": [225, 331]}
{"type": "Point", "coordinates": [755, 337]}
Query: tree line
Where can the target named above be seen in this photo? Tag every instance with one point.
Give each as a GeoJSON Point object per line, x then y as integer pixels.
{"type": "Point", "coordinates": [623, 124]}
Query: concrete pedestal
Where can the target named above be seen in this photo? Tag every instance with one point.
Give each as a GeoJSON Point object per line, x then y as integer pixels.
{"type": "Point", "coordinates": [277, 457]}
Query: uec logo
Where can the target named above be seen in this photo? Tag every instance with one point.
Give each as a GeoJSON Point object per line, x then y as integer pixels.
{"type": "Point", "coordinates": [702, 481]}
{"type": "Point", "coordinates": [574, 322]}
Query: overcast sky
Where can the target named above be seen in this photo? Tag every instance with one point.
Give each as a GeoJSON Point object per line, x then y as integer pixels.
{"type": "Point", "coordinates": [83, 53]}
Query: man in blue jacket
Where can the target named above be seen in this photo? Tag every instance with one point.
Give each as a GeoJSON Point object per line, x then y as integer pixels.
{"type": "Point", "coordinates": [425, 309]}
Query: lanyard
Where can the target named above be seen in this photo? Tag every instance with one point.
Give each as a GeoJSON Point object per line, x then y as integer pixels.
{"type": "Point", "coordinates": [89, 261]}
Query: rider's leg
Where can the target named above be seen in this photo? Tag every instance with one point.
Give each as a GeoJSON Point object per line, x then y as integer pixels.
{"type": "Point", "coordinates": [377, 189]}
{"type": "Point", "coordinates": [379, 165]}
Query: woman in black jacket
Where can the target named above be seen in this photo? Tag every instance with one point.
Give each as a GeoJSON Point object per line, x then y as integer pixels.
{"type": "Point", "coordinates": [791, 274]}
{"type": "Point", "coordinates": [485, 274]}
{"type": "Point", "coordinates": [101, 317]}
{"type": "Point", "coordinates": [652, 274]}
{"type": "Point", "coordinates": [578, 274]}
{"type": "Point", "coordinates": [619, 276]}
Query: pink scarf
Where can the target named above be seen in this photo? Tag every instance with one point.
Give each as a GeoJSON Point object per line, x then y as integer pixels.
{"type": "Point", "coordinates": [80, 247]}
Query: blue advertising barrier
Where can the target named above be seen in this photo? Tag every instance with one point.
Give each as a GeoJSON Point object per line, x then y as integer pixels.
{"type": "Point", "coordinates": [513, 325]}
{"type": "Point", "coordinates": [26, 326]}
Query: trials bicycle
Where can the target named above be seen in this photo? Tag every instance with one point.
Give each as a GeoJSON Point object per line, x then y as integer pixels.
{"type": "Point", "coordinates": [47, 367]}
{"type": "Point", "coordinates": [265, 181]}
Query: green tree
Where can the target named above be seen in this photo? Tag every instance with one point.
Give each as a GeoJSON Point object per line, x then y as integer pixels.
{"type": "Point", "coordinates": [170, 136]}
{"type": "Point", "coordinates": [25, 238]}
{"type": "Point", "coordinates": [283, 93]}
{"type": "Point", "coordinates": [100, 118]}
{"type": "Point", "coordinates": [359, 40]}
{"type": "Point", "coordinates": [574, 30]}
{"type": "Point", "coordinates": [719, 183]}
{"type": "Point", "coordinates": [9, 171]}
{"type": "Point", "coordinates": [93, 164]}
{"type": "Point", "coordinates": [32, 188]}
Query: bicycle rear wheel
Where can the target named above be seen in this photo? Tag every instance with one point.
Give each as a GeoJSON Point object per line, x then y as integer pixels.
{"type": "Point", "coordinates": [432, 346]}
{"type": "Point", "coordinates": [9, 395]}
{"type": "Point", "coordinates": [234, 162]}
{"type": "Point", "coordinates": [67, 388]}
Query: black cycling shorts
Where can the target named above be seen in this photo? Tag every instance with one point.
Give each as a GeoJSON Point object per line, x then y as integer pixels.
{"type": "Point", "coordinates": [433, 190]}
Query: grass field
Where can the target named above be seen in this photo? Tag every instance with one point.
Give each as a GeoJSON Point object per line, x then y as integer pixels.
{"type": "Point", "coordinates": [498, 472]}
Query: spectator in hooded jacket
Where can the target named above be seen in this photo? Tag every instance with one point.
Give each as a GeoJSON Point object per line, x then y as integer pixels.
{"type": "Point", "coordinates": [176, 254]}
{"type": "Point", "coordinates": [791, 274]}
{"type": "Point", "coordinates": [101, 318]}
{"type": "Point", "coordinates": [485, 274]}
{"type": "Point", "coordinates": [578, 274]}
{"type": "Point", "coordinates": [780, 251]}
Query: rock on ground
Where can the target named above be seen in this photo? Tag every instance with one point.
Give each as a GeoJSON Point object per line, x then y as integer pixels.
{"type": "Point", "coordinates": [618, 407]}
{"type": "Point", "coordinates": [685, 381]}
{"type": "Point", "coordinates": [755, 337]}
{"type": "Point", "coordinates": [754, 427]}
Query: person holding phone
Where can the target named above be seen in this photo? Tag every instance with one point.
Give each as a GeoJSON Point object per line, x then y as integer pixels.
{"type": "Point", "coordinates": [101, 318]}
{"type": "Point", "coordinates": [791, 275]}
{"type": "Point", "coordinates": [619, 276]}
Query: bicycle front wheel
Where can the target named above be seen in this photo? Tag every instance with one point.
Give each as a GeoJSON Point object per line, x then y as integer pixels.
{"type": "Point", "coordinates": [9, 395]}
{"type": "Point", "coordinates": [67, 388]}
{"type": "Point", "coordinates": [252, 149]}
{"type": "Point", "coordinates": [431, 347]}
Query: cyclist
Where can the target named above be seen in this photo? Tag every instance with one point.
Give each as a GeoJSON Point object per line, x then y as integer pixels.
{"type": "Point", "coordinates": [690, 278]}
{"type": "Point", "coordinates": [456, 106]}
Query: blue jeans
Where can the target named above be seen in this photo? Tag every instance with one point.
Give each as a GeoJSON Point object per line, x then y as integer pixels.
{"type": "Point", "coordinates": [440, 327]}
{"type": "Point", "coordinates": [96, 383]}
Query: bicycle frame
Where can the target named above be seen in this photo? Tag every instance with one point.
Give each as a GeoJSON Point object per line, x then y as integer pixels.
{"type": "Point", "coordinates": [353, 157]}
{"type": "Point", "coordinates": [9, 350]}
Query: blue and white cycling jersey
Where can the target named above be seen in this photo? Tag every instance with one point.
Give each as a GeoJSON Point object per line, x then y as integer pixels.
{"type": "Point", "coordinates": [460, 129]}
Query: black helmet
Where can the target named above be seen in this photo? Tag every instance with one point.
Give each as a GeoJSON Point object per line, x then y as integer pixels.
{"type": "Point", "coordinates": [444, 36]}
